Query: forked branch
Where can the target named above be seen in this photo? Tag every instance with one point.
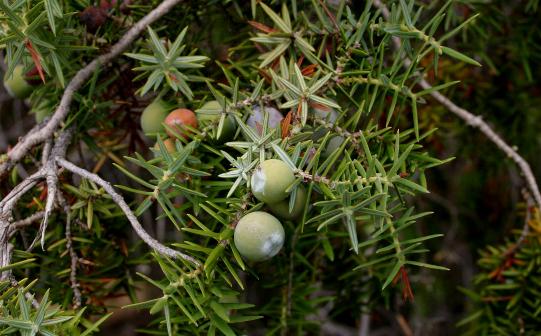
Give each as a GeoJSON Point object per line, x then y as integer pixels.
{"type": "Point", "coordinates": [119, 200]}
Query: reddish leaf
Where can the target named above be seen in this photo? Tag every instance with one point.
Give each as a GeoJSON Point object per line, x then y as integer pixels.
{"type": "Point", "coordinates": [262, 27]}
{"type": "Point", "coordinates": [35, 58]}
{"type": "Point", "coordinates": [407, 293]}
{"type": "Point", "coordinates": [309, 69]}
{"type": "Point", "coordinates": [265, 75]}
{"type": "Point", "coordinates": [285, 123]}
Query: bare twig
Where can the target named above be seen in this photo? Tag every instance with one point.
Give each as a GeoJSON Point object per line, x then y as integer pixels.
{"type": "Point", "coordinates": [472, 120]}
{"type": "Point", "coordinates": [364, 327]}
{"type": "Point", "coordinates": [77, 300]}
{"type": "Point", "coordinates": [27, 221]}
{"type": "Point", "coordinates": [119, 200]}
{"type": "Point", "coordinates": [46, 131]}
{"type": "Point", "coordinates": [51, 177]}
{"type": "Point", "coordinates": [525, 228]}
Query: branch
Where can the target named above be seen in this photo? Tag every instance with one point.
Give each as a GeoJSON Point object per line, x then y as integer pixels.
{"type": "Point", "coordinates": [26, 221]}
{"type": "Point", "coordinates": [525, 228]}
{"type": "Point", "coordinates": [45, 131]}
{"type": "Point", "coordinates": [119, 200]}
{"type": "Point", "coordinates": [51, 177]}
{"type": "Point", "coordinates": [77, 300]}
{"type": "Point", "coordinates": [473, 120]}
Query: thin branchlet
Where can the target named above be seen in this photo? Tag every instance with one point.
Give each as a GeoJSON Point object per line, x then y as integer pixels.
{"type": "Point", "coordinates": [119, 200]}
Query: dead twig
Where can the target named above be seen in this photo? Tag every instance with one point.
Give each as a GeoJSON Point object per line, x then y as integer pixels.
{"type": "Point", "coordinates": [77, 300]}
{"type": "Point", "coordinates": [119, 200]}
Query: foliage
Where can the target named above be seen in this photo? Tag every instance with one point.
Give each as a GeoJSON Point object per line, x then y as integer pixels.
{"type": "Point", "coordinates": [358, 236]}
{"type": "Point", "coordinates": [506, 295]}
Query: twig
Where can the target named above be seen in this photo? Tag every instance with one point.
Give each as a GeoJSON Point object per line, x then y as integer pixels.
{"type": "Point", "coordinates": [472, 120]}
{"type": "Point", "coordinates": [77, 300]}
{"type": "Point", "coordinates": [526, 228]}
{"type": "Point", "coordinates": [27, 221]}
{"type": "Point", "coordinates": [329, 14]}
{"type": "Point", "coordinates": [51, 171]}
{"type": "Point", "coordinates": [404, 326]}
{"type": "Point", "coordinates": [364, 327]}
{"type": "Point", "coordinates": [119, 200]}
{"type": "Point", "coordinates": [41, 134]}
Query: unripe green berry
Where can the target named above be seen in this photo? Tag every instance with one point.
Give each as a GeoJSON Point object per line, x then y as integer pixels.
{"type": "Point", "coordinates": [16, 85]}
{"type": "Point", "coordinates": [281, 209]}
{"type": "Point", "coordinates": [270, 181]}
{"type": "Point", "coordinates": [211, 112]}
{"type": "Point", "coordinates": [153, 117]}
{"type": "Point", "coordinates": [259, 236]}
{"type": "Point", "coordinates": [332, 145]}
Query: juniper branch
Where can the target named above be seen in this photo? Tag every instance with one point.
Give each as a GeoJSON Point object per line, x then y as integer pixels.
{"type": "Point", "coordinates": [46, 130]}
{"type": "Point", "coordinates": [77, 300]}
{"type": "Point", "coordinates": [472, 119]}
{"type": "Point", "coordinates": [119, 200]}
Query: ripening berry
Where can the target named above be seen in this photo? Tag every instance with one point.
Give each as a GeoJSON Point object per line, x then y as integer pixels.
{"type": "Point", "coordinates": [16, 85]}
{"type": "Point", "coordinates": [110, 4]}
{"type": "Point", "coordinates": [281, 209]}
{"type": "Point", "coordinates": [179, 118]}
{"type": "Point", "coordinates": [259, 236]}
{"type": "Point", "coordinates": [153, 116]}
{"type": "Point", "coordinates": [93, 17]}
{"type": "Point", "coordinates": [169, 145]}
{"type": "Point", "coordinates": [211, 112]}
{"type": "Point", "coordinates": [270, 181]}
{"type": "Point", "coordinates": [257, 117]}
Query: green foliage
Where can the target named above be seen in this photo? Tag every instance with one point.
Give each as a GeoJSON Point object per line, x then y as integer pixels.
{"type": "Point", "coordinates": [21, 312]}
{"type": "Point", "coordinates": [356, 236]}
{"type": "Point", "coordinates": [165, 64]}
{"type": "Point", "coordinates": [506, 293]}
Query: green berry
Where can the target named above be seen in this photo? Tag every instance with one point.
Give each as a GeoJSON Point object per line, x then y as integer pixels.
{"type": "Point", "coordinates": [42, 114]}
{"type": "Point", "coordinates": [16, 85]}
{"type": "Point", "coordinates": [211, 112]}
{"type": "Point", "coordinates": [153, 117]}
{"type": "Point", "coordinates": [271, 180]}
{"type": "Point", "coordinates": [281, 209]}
{"type": "Point", "coordinates": [259, 236]}
{"type": "Point", "coordinates": [332, 146]}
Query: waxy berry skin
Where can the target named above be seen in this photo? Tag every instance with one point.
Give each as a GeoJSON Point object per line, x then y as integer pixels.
{"type": "Point", "coordinates": [270, 181]}
{"type": "Point", "coordinates": [257, 118]}
{"type": "Point", "coordinates": [281, 209]}
{"type": "Point", "coordinates": [211, 112]}
{"type": "Point", "coordinates": [259, 236]}
{"type": "Point", "coordinates": [16, 85]}
{"type": "Point", "coordinates": [179, 118]}
{"type": "Point", "coordinates": [153, 117]}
